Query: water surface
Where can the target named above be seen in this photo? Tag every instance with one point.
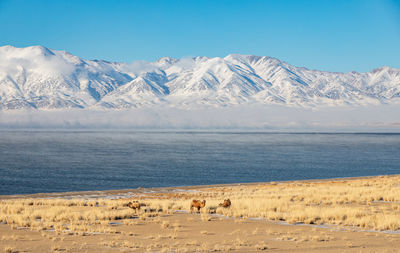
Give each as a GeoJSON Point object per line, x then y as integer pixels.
{"type": "Point", "coordinates": [54, 161]}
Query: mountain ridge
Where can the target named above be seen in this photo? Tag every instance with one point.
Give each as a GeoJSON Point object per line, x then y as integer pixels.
{"type": "Point", "coordinates": [40, 78]}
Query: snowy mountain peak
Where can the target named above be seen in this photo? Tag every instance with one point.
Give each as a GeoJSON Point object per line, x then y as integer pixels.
{"type": "Point", "coordinates": [166, 60]}
{"type": "Point", "coordinates": [38, 77]}
{"type": "Point", "coordinates": [244, 57]}
{"type": "Point", "coordinates": [32, 51]}
{"type": "Point", "coordinates": [40, 50]}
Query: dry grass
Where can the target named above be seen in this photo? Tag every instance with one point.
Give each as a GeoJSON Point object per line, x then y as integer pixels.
{"type": "Point", "coordinates": [370, 203]}
{"type": "Point", "coordinates": [9, 249]}
{"type": "Point", "coordinates": [205, 217]}
{"type": "Point", "coordinates": [165, 224]}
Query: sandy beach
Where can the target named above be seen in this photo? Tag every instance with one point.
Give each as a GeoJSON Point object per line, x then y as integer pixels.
{"type": "Point", "coordinates": [336, 215]}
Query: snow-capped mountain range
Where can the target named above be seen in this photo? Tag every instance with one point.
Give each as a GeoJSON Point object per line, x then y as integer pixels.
{"type": "Point", "coordinates": [40, 78]}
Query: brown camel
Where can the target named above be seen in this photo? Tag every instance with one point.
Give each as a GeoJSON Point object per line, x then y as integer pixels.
{"type": "Point", "coordinates": [134, 205]}
{"type": "Point", "coordinates": [197, 204]}
{"type": "Point", "coordinates": [227, 203]}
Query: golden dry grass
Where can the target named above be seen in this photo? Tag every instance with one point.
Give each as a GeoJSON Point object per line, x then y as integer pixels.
{"type": "Point", "coordinates": [368, 203]}
{"type": "Point", "coordinates": [9, 249]}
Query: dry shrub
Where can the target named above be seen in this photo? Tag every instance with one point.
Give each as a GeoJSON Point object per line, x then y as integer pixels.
{"type": "Point", "coordinates": [165, 224]}
{"type": "Point", "coordinates": [9, 249]}
{"type": "Point", "coordinates": [205, 217]}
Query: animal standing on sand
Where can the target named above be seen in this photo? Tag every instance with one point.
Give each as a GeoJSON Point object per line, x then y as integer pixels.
{"type": "Point", "coordinates": [134, 205]}
{"type": "Point", "coordinates": [227, 203]}
{"type": "Point", "coordinates": [197, 204]}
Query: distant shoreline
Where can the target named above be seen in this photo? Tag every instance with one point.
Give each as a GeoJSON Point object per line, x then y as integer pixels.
{"type": "Point", "coordinates": [116, 192]}
{"type": "Point", "coordinates": [197, 131]}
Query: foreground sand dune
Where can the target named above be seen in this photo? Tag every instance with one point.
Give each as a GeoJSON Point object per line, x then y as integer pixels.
{"type": "Point", "coordinates": [341, 215]}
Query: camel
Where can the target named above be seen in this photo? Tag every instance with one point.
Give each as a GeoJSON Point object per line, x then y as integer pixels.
{"type": "Point", "coordinates": [227, 203]}
{"type": "Point", "coordinates": [197, 204]}
{"type": "Point", "coordinates": [134, 205]}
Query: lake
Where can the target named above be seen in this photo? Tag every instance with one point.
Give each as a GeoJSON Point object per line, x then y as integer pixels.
{"type": "Point", "coordinates": [57, 161]}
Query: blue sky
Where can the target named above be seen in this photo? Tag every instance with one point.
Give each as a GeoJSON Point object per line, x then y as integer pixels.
{"type": "Point", "coordinates": [328, 35]}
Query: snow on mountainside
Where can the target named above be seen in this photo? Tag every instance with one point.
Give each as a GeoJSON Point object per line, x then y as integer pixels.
{"type": "Point", "coordinates": [38, 77]}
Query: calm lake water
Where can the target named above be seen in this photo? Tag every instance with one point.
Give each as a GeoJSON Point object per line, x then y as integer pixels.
{"type": "Point", "coordinates": [55, 161]}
